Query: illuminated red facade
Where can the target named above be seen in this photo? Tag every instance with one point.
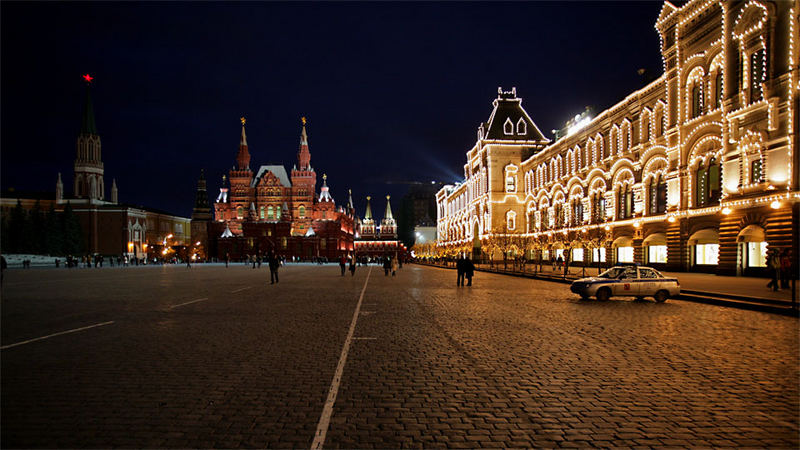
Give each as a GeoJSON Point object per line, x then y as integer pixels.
{"type": "Point", "coordinates": [270, 210]}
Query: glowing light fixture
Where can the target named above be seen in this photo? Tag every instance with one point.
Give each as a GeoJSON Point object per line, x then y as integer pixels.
{"type": "Point", "coordinates": [775, 204]}
{"type": "Point", "coordinates": [726, 210]}
{"type": "Point", "coordinates": [671, 219]}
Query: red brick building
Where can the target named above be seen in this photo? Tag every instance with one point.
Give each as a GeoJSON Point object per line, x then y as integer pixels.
{"type": "Point", "coordinates": [270, 210]}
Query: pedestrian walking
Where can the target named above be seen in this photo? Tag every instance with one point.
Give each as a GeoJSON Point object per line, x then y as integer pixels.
{"type": "Point", "coordinates": [342, 264]}
{"type": "Point", "coordinates": [353, 266]}
{"type": "Point", "coordinates": [253, 258]}
{"type": "Point", "coordinates": [786, 268]}
{"type": "Point", "coordinates": [387, 265]}
{"type": "Point", "coordinates": [774, 265]}
{"type": "Point", "coordinates": [394, 266]}
{"type": "Point", "coordinates": [460, 271]}
{"type": "Point", "coordinates": [274, 264]}
{"type": "Point", "coordinates": [188, 262]}
{"type": "Point", "coordinates": [258, 260]}
{"type": "Point", "coordinates": [227, 259]}
{"type": "Point", "coordinates": [469, 271]}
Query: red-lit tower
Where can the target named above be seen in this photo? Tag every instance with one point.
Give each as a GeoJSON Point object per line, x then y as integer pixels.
{"type": "Point", "coordinates": [241, 193]}
{"type": "Point", "coordinates": [304, 183]}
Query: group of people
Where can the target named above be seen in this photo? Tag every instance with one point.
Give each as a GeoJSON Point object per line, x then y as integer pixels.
{"type": "Point", "coordinates": [779, 264]}
{"type": "Point", "coordinates": [390, 264]}
{"type": "Point", "coordinates": [465, 269]}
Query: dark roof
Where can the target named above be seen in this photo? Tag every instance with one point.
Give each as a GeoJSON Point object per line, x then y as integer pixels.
{"type": "Point", "coordinates": [508, 108]}
{"type": "Point", "coordinates": [33, 195]}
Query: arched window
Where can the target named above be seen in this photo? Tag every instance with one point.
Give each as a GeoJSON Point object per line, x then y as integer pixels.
{"type": "Point", "coordinates": [757, 63]}
{"type": "Point", "coordinates": [508, 127]}
{"type": "Point", "coordinates": [261, 212]}
{"type": "Point", "coordinates": [511, 220]}
{"type": "Point", "coordinates": [658, 195]}
{"type": "Point", "coordinates": [598, 208]}
{"type": "Point", "coordinates": [278, 213]}
{"type": "Point", "coordinates": [697, 100]}
{"type": "Point", "coordinates": [707, 183]}
{"type": "Point", "coordinates": [302, 211]}
{"type": "Point", "coordinates": [270, 213]}
{"type": "Point", "coordinates": [522, 128]}
{"type": "Point", "coordinates": [239, 212]}
{"type": "Point", "coordinates": [625, 202]}
{"type": "Point", "coordinates": [545, 218]}
{"type": "Point", "coordinates": [718, 88]}
{"type": "Point", "coordinates": [558, 214]}
{"type": "Point", "coordinates": [577, 212]}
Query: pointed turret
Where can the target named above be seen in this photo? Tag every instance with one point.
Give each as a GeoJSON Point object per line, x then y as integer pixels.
{"type": "Point", "coordinates": [243, 157]}
{"type": "Point", "coordinates": [388, 224]}
{"type": "Point", "coordinates": [303, 154]}
{"type": "Point", "coordinates": [201, 206]}
{"type": "Point", "coordinates": [350, 200]}
{"type": "Point", "coordinates": [87, 121]}
{"type": "Point", "coordinates": [59, 189]}
{"type": "Point", "coordinates": [114, 192]}
{"type": "Point", "coordinates": [325, 195]}
{"type": "Point", "coordinates": [368, 213]}
{"type": "Point", "coordinates": [388, 214]}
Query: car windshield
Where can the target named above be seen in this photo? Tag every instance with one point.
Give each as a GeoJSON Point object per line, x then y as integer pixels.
{"type": "Point", "coordinates": [619, 272]}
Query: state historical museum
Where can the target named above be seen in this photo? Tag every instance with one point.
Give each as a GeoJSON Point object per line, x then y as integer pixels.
{"type": "Point", "coordinates": [270, 210]}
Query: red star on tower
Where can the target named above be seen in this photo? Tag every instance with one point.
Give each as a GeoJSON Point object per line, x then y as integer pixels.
{"type": "Point", "coordinates": [88, 78]}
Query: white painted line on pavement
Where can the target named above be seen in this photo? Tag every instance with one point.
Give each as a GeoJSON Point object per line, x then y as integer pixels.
{"type": "Point", "coordinates": [325, 418]}
{"type": "Point", "coordinates": [56, 334]}
{"type": "Point", "coordinates": [188, 303]}
{"type": "Point", "coordinates": [365, 338]}
{"type": "Point", "coordinates": [240, 290]}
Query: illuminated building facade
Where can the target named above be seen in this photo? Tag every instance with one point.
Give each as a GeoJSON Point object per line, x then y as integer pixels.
{"type": "Point", "coordinates": [381, 240]}
{"type": "Point", "coordinates": [695, 171]}
{"type": "Point", "coordinates": [272, 211]}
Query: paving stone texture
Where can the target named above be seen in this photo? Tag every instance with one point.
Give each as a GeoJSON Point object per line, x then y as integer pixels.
{"type": "Point", "coordinates": [508, 362]}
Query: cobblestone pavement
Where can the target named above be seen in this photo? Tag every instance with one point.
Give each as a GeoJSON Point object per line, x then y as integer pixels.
{"type": "Point", "coordinates": [508, 362]}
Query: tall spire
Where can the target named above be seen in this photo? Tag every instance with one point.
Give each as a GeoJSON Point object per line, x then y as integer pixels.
{"type": "Point", "coordinates": [303, 154]}
{"type": "Point", "coordinates": [368, 213]}
{"type": "Point", "coordinates": [350, 200]}
{"type": "Point", "coordinates": [87, 120]}
{"type": "Point", "coordinates": [243, 157]}
{"type": "Point", "coordinates": [388, 214]}
{"type": "Point", "coordinates": [114, 191]}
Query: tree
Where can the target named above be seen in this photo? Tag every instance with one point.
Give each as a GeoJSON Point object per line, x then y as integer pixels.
{"type": "Point", "coordinates": [36, 230]}
{"type": "Point", "coordinates": [17, 224]}
{"type": "Point", "coordinates": [71, 232]}
{"type": "Point", "coordinates": [53, 233]}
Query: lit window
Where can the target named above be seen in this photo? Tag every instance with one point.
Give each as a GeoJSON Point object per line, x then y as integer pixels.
{"type": "Point", "coordinates": [706, 254]}
{"type": "Point", "coordinates": [511, 220]}
{"type": "Point", "coordinates": [508, 127]}
{"type": "Point", "coordinates": [697, 98]}
{"type": "Point", "coordinates": [757, 75]}
{"type": "Point", "coordinates": [756, 254]}
{"type": "Point", "coordinates": [270, 215]}
{"type": "Point", "coordinates": [278, 214]}
{"type": "Point", "coordinates": [577, 254]}
{"type": "Point", "coordinates": [302, 211]}
{"type": "Point", "coordinates": [261, 212]}
{"type": "Point", "coordinates": [599, 254]}
{"type": "Point", "coordinates": [625, 254]}
{"type": "Point", "coordinates": [657, 254]}
{"type": "Point", "coordinates": [240, 212]}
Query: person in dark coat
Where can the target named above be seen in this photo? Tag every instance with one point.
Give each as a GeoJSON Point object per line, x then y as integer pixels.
{"type": "Point", "coordinates": [786, 268]}
{"type": "Point", "coordinates": [460, 271]}
{"type": "Point", "coordinates": [342, 264]}
{"type": "Point", "coordinates": [387, 265]}
{"type": "Point", "coordinates": [469, 271]}
{"type": "Point", "coordinates": [274, 264]}
{"type": "Point", "coordinates": [353, 266]}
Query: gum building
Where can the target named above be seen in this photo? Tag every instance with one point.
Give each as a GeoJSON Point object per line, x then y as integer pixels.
{"type": "Point", "coordinates": [695, 171]}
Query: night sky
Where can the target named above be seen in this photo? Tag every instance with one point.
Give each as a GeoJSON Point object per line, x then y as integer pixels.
{"type": "Point", "coordinates": [393, 92]}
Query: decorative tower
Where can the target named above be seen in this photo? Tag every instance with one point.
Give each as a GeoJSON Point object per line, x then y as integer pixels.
{"type": "Point", "coordinates": [59, 189]}
{"type": "Point", "coordinates": [350, 208]}
{"type": "Point", "coordinates": [368, 224]}
{"type": "Point", "coordinates": [240, 190]}
{"type": "Point", "coordinates": [88, 164]}
{"type": "Point", "coordinates": [325, 209]}
{"type": "Point", "coordinates": [304, 183]}
{"type": "Point", "coordinates": [114, 192]}
{"type": "Point", "coordinates": [388, 224]}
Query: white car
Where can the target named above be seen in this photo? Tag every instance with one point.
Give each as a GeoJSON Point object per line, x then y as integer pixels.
{"type": "Point", "coordinates": [627, 281]}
